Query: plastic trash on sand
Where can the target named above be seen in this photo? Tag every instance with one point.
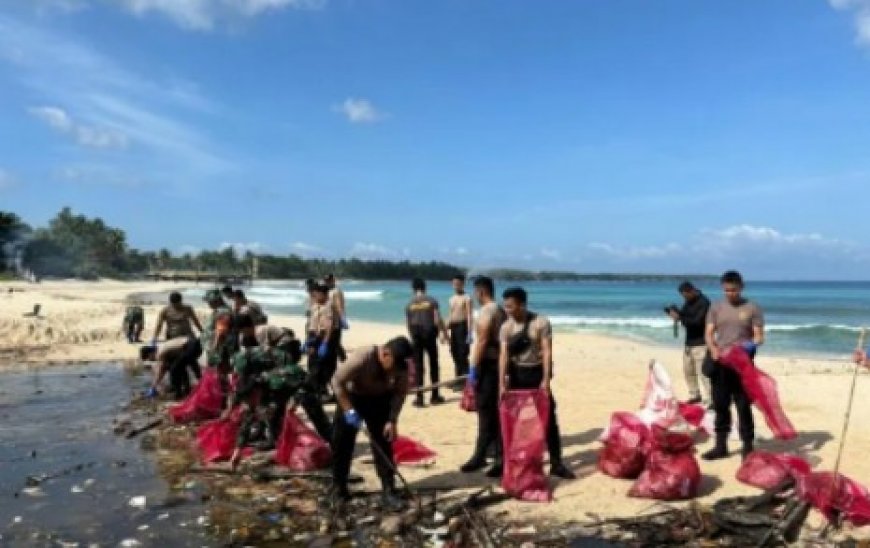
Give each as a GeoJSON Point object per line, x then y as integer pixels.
{"type": "Point", "coordinates": [300, 448]}
{"type": "Point", "coordinates": [408, 452]}
{"type": "Point", "coordinates": [836, 497]}
{"type": "Point", "coordinates": [768, 470]}
{"type": "Point", "coordinates": [524, 420]}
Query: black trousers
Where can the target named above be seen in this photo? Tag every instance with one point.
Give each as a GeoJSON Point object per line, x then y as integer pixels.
{"type": "Point", "coordinates": [531, 378]}
{"type": "Point", "coordinates": [188, 358]}
{"type": "Point", "coordinates": [311, 404]}
{"type": "Point", "coordinates": [727, 388]}
{"type": "Point", "coordinates": [459, 347]}
{"type": "Point", "coordinates": [375, 413]}
{"type": "Point", "coordinates": [488, 424]}
{"type": "Point", "coordinates": [425, 342]}
{"type": "Point", "coordinates": [323, 368]}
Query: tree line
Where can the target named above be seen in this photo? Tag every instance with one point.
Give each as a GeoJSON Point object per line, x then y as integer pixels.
{"type": "Point", "coordinates": [74, 245]}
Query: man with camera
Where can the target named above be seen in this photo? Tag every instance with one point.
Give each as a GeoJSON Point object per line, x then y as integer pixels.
{"type": "Point", "coordinates": [693, 316]}
{"type": "Point", "coordinates": [526, 362]}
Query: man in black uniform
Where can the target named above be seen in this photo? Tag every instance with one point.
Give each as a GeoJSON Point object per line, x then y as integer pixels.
{"type": "Point", "coordinates": [371, 387]}
{"type": "Point", "coordinates": [483, 373]}
{"type": "Point", "coordinates": [693, 316]}
{"type": "Point", "coordinates": [424, 324]}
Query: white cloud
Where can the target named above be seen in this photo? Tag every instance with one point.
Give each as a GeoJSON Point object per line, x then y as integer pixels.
{"type": "Point", "coordinates": [359, 111]}
{"type": "Point", "coordinates": [304, 249]}
{"type": "Point", "coordinates": [97, 174]}
{"type": "Point", "coordinates": [860, 10]}
{"type": "Point", "coordinates": [243, 247]}
{"type": "Point", "coordinates": [371, 251]}
{"type": "Point", "coordinates": [636, 252]}
{"type": "Point", "coordinates": [552, 254]}
{"type": "Point", "coordinates": [88, 136]}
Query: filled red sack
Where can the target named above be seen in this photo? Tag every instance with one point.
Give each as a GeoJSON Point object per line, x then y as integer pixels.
{"type": "Point", "coordinates": [469, 398]}
{"type": "Point", "coordinates": [836, 497]}
{"type": "Point", "coordinates": [624, 453]}
{"type": "Point", "coordinates": [768, 470]}
{"type": "Point", "coordinates": [761, 389]}
{"type": "Point", "coordinates": [204, 403]}
{"type": "Point", "coordinates": [693, 413]}
{"type": "Point", "coordinates": [668, 476]}
{"type": "Point", "coordinates": [411, 453]}
{"type": "Point", "coordinates": [670, 441]}
{"type": "Point", "coordinates": [524, 420]}
{"type": "Point", "coordinates": [300, 448]}
{"type": "Point", "coordinates": [217, 439]}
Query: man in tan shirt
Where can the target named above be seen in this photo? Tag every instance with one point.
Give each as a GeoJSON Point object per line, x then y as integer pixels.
{"type": "Point", "coordinates": [178, 319]}
{"type": "Point", "coordinates": [370, 387]}
{"type": "Point", "coordinates": [526, 362]}
{"type": "Point", "coordinates": [321, 344]}
{"type": "Point", "coordinates": [483, 374]}
{"type": "Point", "coordinates": [461, 325]}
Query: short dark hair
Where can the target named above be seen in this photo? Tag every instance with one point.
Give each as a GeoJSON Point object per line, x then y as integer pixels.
{"type": "Point", "coordinates": [147, 352]}
{"type": "Point", "coordinates": [401, 349]}
{"type": "Point", "coordinates": [244, 321]}
{"type": "Point", "coordinates": [485, 283]}
{"type": "Point", "coordinates": [459, 276]}
{"type": "Point", "coordinates": [227, 290]}
{"type": "Point", "coordinates": [732, 277]}
{"type": "Point", "coordinates": [309, 283]}
{"type": "Point", "coordinates": [294, 349]}
{"type": "Point", "coordinates": [175, 297]}
{"type": "Point", "coordinates": [418, 284]}
{"type": "Point", "coordinates": [686, 286]}
{"type": "Point", "coordinates": [329, 277]}
{"type": "Point", "coordinates": [239, 294]}
{"type": "Point", "coordinates": [250, 341]}
{"type": "Point", "coordinates": [516, 293]}
{"type": "Point", "coordinates": [319, 288]}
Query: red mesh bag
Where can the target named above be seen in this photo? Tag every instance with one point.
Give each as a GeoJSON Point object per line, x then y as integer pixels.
{"type": "Point", "coordinates": [300, 448]}
{"type": "Point", "coordinates": [624, 452]}
{"type": "Point", "coordinates": [217, 439]}
{"type": "Point", "coordinates": [836, 497]}
{"type": "Point", "coordinates": [469, 398]}
{"type": "Point", "coordinates": [411, 453]}
{"type": "Point", "coordinates": [768, 470]}
{"type": "Point", "coordinates": [761, 389]}
{"type": "Point", "coordinates": [524, 420]}
{"type": "Point", "coordinates": [668, 476]}
{"type": "Point", "coordinates": [204, 403]}
{"type": "Point", "coordinates": [693, 413]}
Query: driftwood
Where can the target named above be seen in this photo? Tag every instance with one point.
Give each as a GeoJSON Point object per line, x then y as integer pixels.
{"type": "Point", "coordinates": [436, 386]}
{"type": "Point", "coordinates": [150, 426]}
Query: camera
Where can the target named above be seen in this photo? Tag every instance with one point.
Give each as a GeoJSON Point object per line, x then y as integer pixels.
{"type": "Point", "coordinates": [671, 308]}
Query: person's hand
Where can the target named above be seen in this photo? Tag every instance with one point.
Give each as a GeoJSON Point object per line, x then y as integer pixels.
{"type": "Point", "coordinates": [444, 338]}
{"type": "Point", "coordinates": [151, 392]}
{"type": "Point", "coordinates": [344, 324]}
{"type": "Point", "coordinates": [715, 353]}
{"type": "Point", "coordinates": [469, 340]}
{"type": "Point", "coordinates": [750, 347]}
{"type": "Point", "coordinates": [674, 314]}
{"type": "Point", "coordinates": [472, 374]}
{"type": "Point", "coordinates": [545, 386]}
{"type": "Point", "coordinates": [502, 390]}
{"type": "Point", "coordinates": [225, 415]}
{"type": "Point", "coordinates": [323, 350]}
{"type": "Point", "coordinates": [153, 342]}
{"type": "Point", "coordinates": [860, 357]}
{"type": "Point", "coordinates": [352, 419]}
{"type": "Point", "coordinates": [390, 432]}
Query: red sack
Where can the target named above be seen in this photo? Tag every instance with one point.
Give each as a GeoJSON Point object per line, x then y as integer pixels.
{"type": "Point", "coordinates": [768, 470]}
{"type": "Point", "coordinates": [524, 420]}
{"type": "Point", "coordinates": [300, 448]}
{"type": "Point", "coordinates": [217, 439]}
{"type": "Point", "coordinates": [761, 389]}
{"type": "Point", "coordinates": [669, 441]}
{"type": "Point", "coordinates": [410, 453]}
{"type": "Point", "coordinates": [693, 414]}
{"type": "Point", "coordinates": [469, 398]}
{"type": "Point", "coordinates": [204, 403]}
{"type": "Point", "coordinates": [668, 476]}
{"type": "Point", "coordinates": [624, 452]}
{"type": "Point", "coordinates": [836, 497]}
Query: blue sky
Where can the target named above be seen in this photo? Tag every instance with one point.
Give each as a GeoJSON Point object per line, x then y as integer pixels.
{"type": "Point", "coordinates": [593, 135]}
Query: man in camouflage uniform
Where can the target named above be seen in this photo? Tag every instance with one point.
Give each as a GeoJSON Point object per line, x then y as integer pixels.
{"type": "Point", "coordinates": [219, 340]}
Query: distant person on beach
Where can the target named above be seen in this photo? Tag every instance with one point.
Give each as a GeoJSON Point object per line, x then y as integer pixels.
{"type": "Point", "coordinates": [242, 306]}
{"type": "Point", "coordinates": [134, 323]}
{"type": "Point", "coordinates": [693, 316]}
{"type": "Point", "coordinates": [370, 387]}
{"type": "Point", "coordinates": [424, 324]}
{"type": "Point", "coordinates": [526, 362]}
{"type": "Point", "coordinates": [339, 309]}
{"type": "Point", "coordinates": [320, 344]}
{"type": "Point", "coordinates": [732, 321]}
{"type": "Point", "coordinates": [461, 322]}
{"type": "Point", "coordinates": [483, 374]}
{"type": "Point", "coordinates": [179, 319]}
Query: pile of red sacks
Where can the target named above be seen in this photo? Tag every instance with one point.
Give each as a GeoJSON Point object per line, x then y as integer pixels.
{"type": "Point", "coordinates": [204, 403]}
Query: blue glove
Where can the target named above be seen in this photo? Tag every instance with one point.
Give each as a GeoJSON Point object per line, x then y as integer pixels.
{"type": "Point", "coordinates": [470, 339]}
{"type": "Point", "coordinates": [353, 419]}
{"type": "Point", "coordinates": [750, 347]}
{"type": "Point", "coordinates": [344, 324]}
{"type": "Point", "coordinates": [323, 350]}
{"type": "Point", "coordinates": [151, 393]}
{"type": "Point", "coordinates": [472, 374]}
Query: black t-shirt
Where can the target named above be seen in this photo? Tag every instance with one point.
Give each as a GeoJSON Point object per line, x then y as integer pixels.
{"type": "Point", "coordinates": [693, 316]}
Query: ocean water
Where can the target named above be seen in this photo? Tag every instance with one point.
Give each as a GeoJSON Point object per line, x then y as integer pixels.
{"type": "Point", "coordinates": [803, 318]}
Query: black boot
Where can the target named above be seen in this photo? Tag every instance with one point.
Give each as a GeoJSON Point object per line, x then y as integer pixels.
{"type": "Point", "coordinates": [474, 464]}
{"type": "Point", "coordinates": [390, 500]}
{"type": "Point", "coordinates": [437, 399]}
{"type": "Point", "coordinates": [419, 401]}
{"type": "Point", "coordinates": [720, 451]}
{"type": "Point", "coordinates": [561, 471]}
{"type": "Point", "coordinates": [495, 470]}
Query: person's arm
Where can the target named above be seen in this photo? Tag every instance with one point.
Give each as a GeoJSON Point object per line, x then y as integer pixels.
{"type": "Point", "coordinates": [195, 319]}
{"type": "Point", "coordinates": [400, 392]}
{"type": "Point", "coordinates": [481, 340]}
{"type": "Point", "coordinates": [547, 355]}
{"type": "Point", "coordinates": [408, 319]}
{"type": "Point", "coordinates": [693, 316]}
{"type": "Point", "coordinates": [758, 327]}
{"type": "Point", "coordinates": [161, 319]}
{"type": "Point", "coordinates": [503, 362]}
{"type": "Point", "coordinates": [342, 379]}
{"type": "Point", "coordinates": [339, 303]}
{"type": "Point", "coordinates": [710, 337]}
{"type": "Point", "coordinates": [439, 321]}
{"type": "Point", "coordinates": [221, 331]}
{"type": "Point", "coordinates": [469, 315]}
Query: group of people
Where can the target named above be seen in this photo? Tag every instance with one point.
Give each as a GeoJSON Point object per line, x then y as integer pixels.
{"type": "Point", "coordinates": [502, 346]}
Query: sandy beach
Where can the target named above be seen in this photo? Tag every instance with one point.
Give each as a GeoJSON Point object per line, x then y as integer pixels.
{"type": "Point", "coordinates": [595, 376]}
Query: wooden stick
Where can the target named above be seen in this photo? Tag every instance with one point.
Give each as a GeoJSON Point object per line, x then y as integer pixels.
{"type": "Point", "coordinates": [150, 426]}
{"type": "Point", "coordinates": [436, 386]}
{"type": "Point", "coordinates": [861, 339]}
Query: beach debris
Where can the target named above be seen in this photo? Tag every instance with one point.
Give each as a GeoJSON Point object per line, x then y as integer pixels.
{"type": "Point", "coordinates": [137, 502]}
{"type": "Point", "coordinates": [130, 543]}
{"type": "Point", "coordinates": [77, 489]}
